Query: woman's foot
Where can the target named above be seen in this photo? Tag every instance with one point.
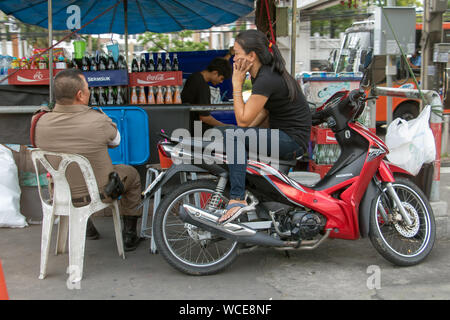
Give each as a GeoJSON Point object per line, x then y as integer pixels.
{"type": "Point", "coordinates": [234, 206]}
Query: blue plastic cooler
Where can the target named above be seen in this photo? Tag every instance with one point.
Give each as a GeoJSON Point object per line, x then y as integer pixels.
{"type": "Point", "coordinates": [132, 123]}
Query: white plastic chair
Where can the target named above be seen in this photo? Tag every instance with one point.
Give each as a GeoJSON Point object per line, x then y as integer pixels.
{"type": "Point", "coordinates": [73, 220]}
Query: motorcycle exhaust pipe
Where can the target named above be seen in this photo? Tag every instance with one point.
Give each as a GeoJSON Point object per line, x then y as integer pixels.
{"type": "Point", "coordinates": [237, 232]}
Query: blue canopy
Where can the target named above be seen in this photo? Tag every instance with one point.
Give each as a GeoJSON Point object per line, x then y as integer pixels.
{"type": "Point", "coordinates": [145, 15]}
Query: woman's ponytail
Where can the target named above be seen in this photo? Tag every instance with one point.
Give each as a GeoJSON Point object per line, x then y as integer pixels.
{"type": "Point", "coordinates": [279, 65]}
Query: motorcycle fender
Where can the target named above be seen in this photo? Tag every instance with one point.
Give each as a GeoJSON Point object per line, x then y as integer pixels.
{"type": "Point", "coordinates": [174, 169]}
{"type": "Point", "coordinates": [396, 169]}
{"type": "Point", "coordinates": [364, 208]}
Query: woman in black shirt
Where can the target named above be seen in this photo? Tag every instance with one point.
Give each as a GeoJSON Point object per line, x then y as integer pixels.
{"type": "Point", "coordinates": [275, 94]}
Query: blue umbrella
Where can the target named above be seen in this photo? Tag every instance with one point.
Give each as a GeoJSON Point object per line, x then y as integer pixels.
{"type": "Point", "coordinates": [145, 15]}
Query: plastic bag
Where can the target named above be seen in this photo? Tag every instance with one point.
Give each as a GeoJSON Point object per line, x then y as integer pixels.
{"type": "Point", "coordinates": [10, 215]}
{"type": "Point", "coordinates": [411, 143]}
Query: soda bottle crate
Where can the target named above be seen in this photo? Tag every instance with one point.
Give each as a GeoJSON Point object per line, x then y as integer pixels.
{"type": "Point", "coordinates": [322, 135]}
{"type": "Point", "coordinates": [321, 169]}
{"type": "Point", "coordinates": [326, 136]}
{"type": "Point", "coordinates": [157, 78]}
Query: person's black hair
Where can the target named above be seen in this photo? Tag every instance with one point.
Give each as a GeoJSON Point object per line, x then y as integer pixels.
{"type": "Point", "coordinates": [222, 66]}
{"type": "Point", "coordinates": [255, 40]}
{"type": "Point", "coordinates": [66, 85]}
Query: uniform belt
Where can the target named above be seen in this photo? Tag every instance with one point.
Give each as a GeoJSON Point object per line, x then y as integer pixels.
{"type": "Point", "coordinates": [86, 198]}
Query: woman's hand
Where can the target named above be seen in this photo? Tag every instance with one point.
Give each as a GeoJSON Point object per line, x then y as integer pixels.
{"type": "Point", "coordinates": [240, 69]}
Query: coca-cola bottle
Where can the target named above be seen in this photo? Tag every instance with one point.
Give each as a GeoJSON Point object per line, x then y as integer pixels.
{"type": "Point", "coordinates": [110, 99]}
{"type": "Point", "coordinates": [102, 62]}
{"type": "Point", "coordinates": [151, 63]}
{"type": "Point", "coordinates": [85, 63]}
{"type": "Point", "coordinates": [134, 65]}
{"type": "Point", "coordinates": [143, 64]}
{"type": "Point", "coordinates": [93, 101]}
{"type": "Point", "coordinates": [111, 65]}
{"type": "Point", "coordinates": [93, 64]}
{"type": "Point", "coordinates": [167, 65]}
{"type": "Point", "coordinates": [175, 66]}
{"type": "Point", "coordinates": [120, 96]}
{"type": "Point", "coordinates": [121, 63]}
{"type": "Point", "coordinates": [159, 63]}
{"type": "Point", "coordinates": [101, 97]}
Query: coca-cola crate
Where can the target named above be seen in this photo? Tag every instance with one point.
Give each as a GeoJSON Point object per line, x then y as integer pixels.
{"type": "Point", "coordinates": [326, 136]}
{"type": "Point", "coordinates": [30, 77]}
{"type": "Point", "coordinates": [164, 78]}
{"type": "Point", "coordinates": [321, 169]}
{"type": "Point", "coordinates": [322, 135]}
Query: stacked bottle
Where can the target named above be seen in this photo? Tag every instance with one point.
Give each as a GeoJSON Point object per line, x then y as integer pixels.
{"type": "Point", "coordinates": [149, 66]}
{"type": "Point", "coordinates": [102, 96]}
{"type": "Point", "coordinates": [155, 95]}
{"type": "Point", "coordinates": [326, 153]}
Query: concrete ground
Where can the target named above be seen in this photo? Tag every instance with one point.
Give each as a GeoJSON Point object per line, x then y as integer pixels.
{"type": "Point", "coordinates": [338, 269]}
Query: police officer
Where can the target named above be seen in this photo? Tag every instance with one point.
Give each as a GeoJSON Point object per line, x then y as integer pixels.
{"type": "Point", "coordinates": [73, 127]}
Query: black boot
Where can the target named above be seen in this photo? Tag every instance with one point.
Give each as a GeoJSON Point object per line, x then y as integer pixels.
{"type": "Point", "coordinates": [91, 231]}
{"type": "Point", "coordinates": [129, 234]}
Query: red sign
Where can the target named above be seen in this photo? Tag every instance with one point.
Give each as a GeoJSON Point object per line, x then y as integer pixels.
{"type": "Point", "coordinates": [30, 77]}
{"type": "Point", "coordinates": [168, 78]}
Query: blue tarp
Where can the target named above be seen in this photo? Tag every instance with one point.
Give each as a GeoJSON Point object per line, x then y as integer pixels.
{"type": "Point", "coordinates": [144, 15]}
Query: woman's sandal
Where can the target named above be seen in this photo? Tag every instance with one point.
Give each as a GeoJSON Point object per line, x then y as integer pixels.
{"type": "Point", "coordinates": [235, 215]}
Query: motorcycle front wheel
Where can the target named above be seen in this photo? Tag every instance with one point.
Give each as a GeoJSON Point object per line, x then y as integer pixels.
{"type": "Point", "coordinates": [185, 247]}
{"type": "Point", "coordinates": [397, 242]}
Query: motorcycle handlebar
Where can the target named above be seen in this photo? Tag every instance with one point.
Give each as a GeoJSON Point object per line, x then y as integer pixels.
{"type": "Point", "coordinates": [355, 95]}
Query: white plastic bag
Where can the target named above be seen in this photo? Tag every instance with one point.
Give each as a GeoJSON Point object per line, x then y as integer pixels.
{"type": "Point", "coordinates": [411, 143]}
{"type": "Point", "coordinates": [10, 215]}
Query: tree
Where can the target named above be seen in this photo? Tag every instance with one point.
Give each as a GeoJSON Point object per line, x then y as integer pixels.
{"type": "Point", "coordinates": [336, 19]}
{"type": "Point", "coordinates": [177, 41]}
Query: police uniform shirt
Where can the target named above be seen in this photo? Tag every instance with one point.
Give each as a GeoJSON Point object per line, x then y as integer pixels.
{"type": "Point", "coordinates": [81, 130]}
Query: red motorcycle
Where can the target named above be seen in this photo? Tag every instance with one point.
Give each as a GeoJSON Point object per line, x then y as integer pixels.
{"type": "Point", "coordinates": [362, 195]}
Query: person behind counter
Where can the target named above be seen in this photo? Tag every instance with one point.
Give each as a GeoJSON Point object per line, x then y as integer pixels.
{"type": "Point", "coordinates": [196, 90]}
{"type": "Point", "coordinates": [73, 127]}
{"type": "Point", "coordinates": [275, 94]}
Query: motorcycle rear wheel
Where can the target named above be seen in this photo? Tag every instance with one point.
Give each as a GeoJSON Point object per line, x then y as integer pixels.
{"type": "Point", "coordinates": [185, 247]}
{"type": "Point", "coordinates": [398, 243]}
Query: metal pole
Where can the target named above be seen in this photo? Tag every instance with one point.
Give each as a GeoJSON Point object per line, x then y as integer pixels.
{"type": "Point", "coordinates": [50, 57]}
{"type": "Point", "coordinates": [125, 10]}
{"type": "Point", "coordinates": [390, 71]}
{"type": "Point", "coordinates": [293, 36]}
{"type": "Point", "coordinates": [432, 98]}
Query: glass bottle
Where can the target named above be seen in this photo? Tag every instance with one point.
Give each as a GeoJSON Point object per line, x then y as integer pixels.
{"type": "Point", "coordinates": [151, 63]}
{"type": "Point", "coordinates": [150, 96]}
{"type": "Point", "coordinates": [160, 96]}
{"type": "Point", "coordinates": [177, 96]}
{"type": "Point", "coordinates": [134, 97]}
{"type": "Point", "coordinates": [142, 99]}
{"type": "Point", "coordinates": [134, 65]}
{"type": "Point", "coordinates": [175, 66]}
{"type": "Point", "coordinates": [167, 65]}
{"type": "Point", "coordinates": [101, 97]}
{"type": "Point", "coordinates": [169, 98]}
{"type": "Point", "coordinates": [159, 63]}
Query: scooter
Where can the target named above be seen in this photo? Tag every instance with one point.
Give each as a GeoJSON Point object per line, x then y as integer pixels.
{"type": "Point", "coordinates": [362, 195]}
